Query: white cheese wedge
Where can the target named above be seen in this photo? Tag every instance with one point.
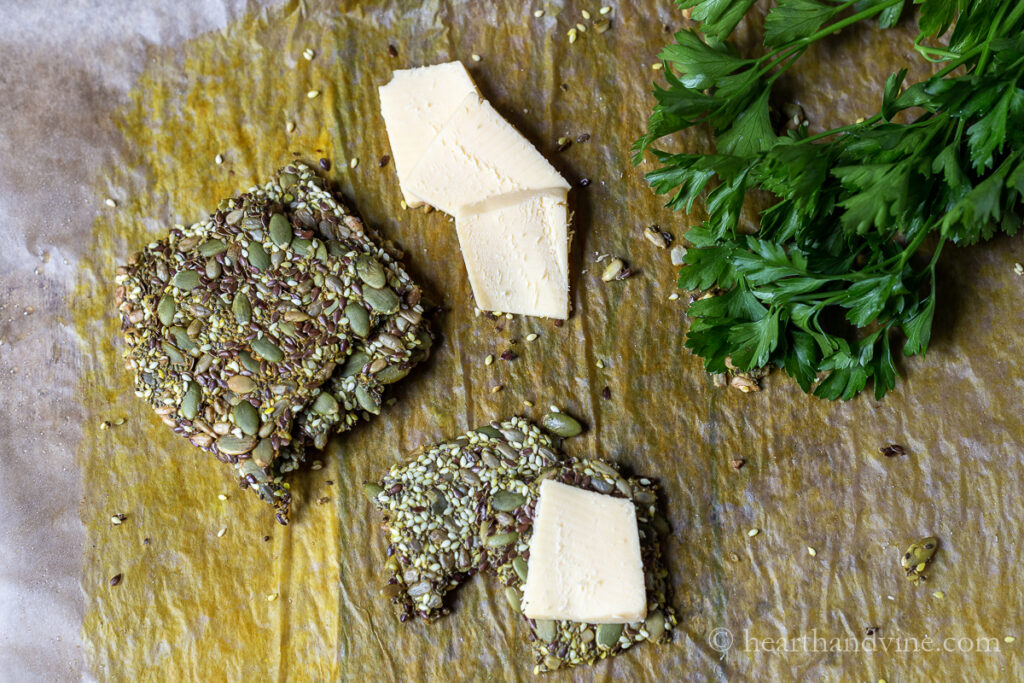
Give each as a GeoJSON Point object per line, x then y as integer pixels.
{"type": "Point", "coordinates": [415, 105]}
{"type": "Point", "coordinates": [516, 253]}
{"type": "Point", "coordinates": [585, 562]}
{"type": "Point", "coordinates": [478, 156]}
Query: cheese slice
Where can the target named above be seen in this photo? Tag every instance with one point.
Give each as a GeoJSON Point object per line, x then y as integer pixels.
{"type": "Point", "coordinates": [478, 156]}
{"type": "Point", "coordinates": [415, 105]}
{"type": "Point", "coordinates": [516, 253]}
{"type": "Point", "coordinates": [585, 562]}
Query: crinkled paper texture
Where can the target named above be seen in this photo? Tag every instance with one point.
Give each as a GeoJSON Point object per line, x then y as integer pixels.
{"type": "Point", "coordinates": [194, 605]}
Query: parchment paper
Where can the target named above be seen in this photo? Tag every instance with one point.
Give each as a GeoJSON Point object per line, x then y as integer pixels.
{"type": "Point", "coordinates": [193, 605]}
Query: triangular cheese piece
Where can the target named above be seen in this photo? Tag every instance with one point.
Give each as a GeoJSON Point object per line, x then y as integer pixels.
{"type": "Point", "coordinates": [478, 156]}
{"type": "Point", "coordinates": [516, 253]}
{"type": "Point", "coordinates": [415, 105]}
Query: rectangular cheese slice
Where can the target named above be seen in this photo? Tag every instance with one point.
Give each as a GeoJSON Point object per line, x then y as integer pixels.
{"type": "Point", "coordinates": [476, 157]}
{"type": "Point", "coordinates": [415, 105]}
{"type": "Point", "coordinates": [516, 253]}
{"type": "Point", "coordinates": [585, 562]}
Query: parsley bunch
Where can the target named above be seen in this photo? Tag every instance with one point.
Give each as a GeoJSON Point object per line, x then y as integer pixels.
{"type": "Point", "coordinates": [842, 269]}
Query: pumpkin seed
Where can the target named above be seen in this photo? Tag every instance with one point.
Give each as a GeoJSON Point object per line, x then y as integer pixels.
{"type": "Point", "coordinates": [280, 230]}
{"type": "Point", "coordinates": [182, 340]}
{"type": "Point", "coordinates": [358, 319]}
{"type": "Point", "coordinates": [381, 300]}
{"type": "Point", "coordinates": [166, 309]}
{"type": "Point", "coordinates": [267, 350]}
{"type": "Point", "coordinates": [185, 280]}
{"type": "Point", "coordinates": [247, 418]}
{"type": "Point", "coordinates": [354, 364]}
{"type": "Point", "coordinates": [235, 445]}
{"type": "Point", "coordinates": [655, 625]}
{"type": "Point", "coordinates": [212, 248]}
{"type": "Point", "coordinates": [325, 404]}
{"type": "Point", "coordinates": [240, 384]}
{"type": "Point", "coordinates": [371, 491]}
{"type": "Point", "coordinates": [190, 401]}
{"type": "Point", "coordinates": [173, 354]}
{"type": "Point", "coordinates": [392, 374]}
{"type": "Point", "coordinates": [562, 425]}
{"type": "Point", "coordinates": [489, 432]}
{"type": "Point", "coordinates": [506, 501]}
{"type": "Point", "coordinates": [370, 271]}
{"type": "Point", "coordinates": [263, 454]}
{"type": "Point", "coordinates": [521, 568]}
{"type": "Point", "coordinates": [248, 362]}
{"type": "Point", "coordinates": [608, 634]}
{"type": "Point", "coordinates": [367, 401]}
{"type": "Point", "coordinates": [301, 246]}
{"type": "Point", "coordinates": [499, 540]}
{"type": "Point", "coordinates": [257, 256]}
{"type": "Point", "coordinates": [286, 180]}
{"type": "Point", "coordinates": [512, 595]}
{"type": "Point", "coordinates": [546, 630]}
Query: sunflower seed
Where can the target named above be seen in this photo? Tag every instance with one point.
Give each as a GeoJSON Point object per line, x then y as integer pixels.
{"type": "Point", "coordinates": [235, 445]}
{"type": "Point", "coordinates": [240, 384]}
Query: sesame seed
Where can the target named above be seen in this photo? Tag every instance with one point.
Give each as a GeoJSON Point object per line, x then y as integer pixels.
{"type": "Point", "coordinates": [313, 94]}
{"type": "Point", "coordinates": [599, 364]}
{"type": "Point", "coordinates": [496, 388]}
{"type": "Point", "coordinates": [531, 336]}
{"type": "Point", "coordinates": [605, 10]}
{"type": "Point", "coordinates": [586, 14]}
{"type": "Point", "coordinates": [219, 159]}
{"type": "Point", "coordinates": [528, 403]}
{"type": "Point", "coordinates": [290, 126]}
{"type": "Point", "coordinates": [317, 465]}
{"type": "Point", "coordinates": [811, 551]}
{"type": "Point", "coordinates": [1009, 639]}
{"type": "Point", "coordinates": [272, 597]}
{"type": "Point", "coordinates": [939, 594]}
{"type": "Point", "coordinates": [221, 496]}
{"type": "Point", "coordinates": [489, 359]}
{"type": "Point", "coordinates": [572, 35]}
{"type": "Point", "coordinates": [110, 202]}
{"type": "Point", "coordinates": [753, 532]}
{"type": "Point", "coordinates": [406, 206]}
{"type": "Point", "coordinates": [673, 296]}
{"type": "Point", "coordinates": [554, 409]}
{"type": "Point", "coordinates": [1018, 268]}
{"type": "Point", "coordinates": [353, 162]}
{"type": "Point", "coordinates": [116, 520]}
{"type": "Point", "coordinates": [539, 13]}
{"type": "Point", "coordinates": [656, 67]}
{"type": "Point", "coordinates": [308, 53]}
{"type": "Point", "coordinates": [475, 57]}
{"type": "Point", "coordinates": [581, 28]}
{"type": "Point", "coordinates": [223, 530]}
